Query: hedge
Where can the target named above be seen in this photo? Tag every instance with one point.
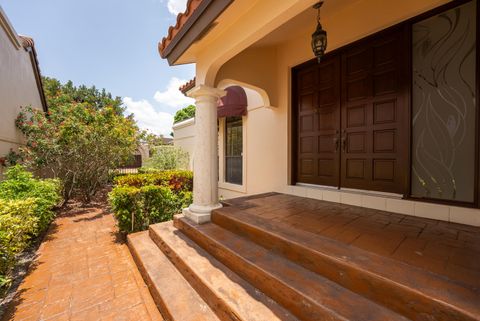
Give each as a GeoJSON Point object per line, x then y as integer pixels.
{"type": "Point", "coordinates": [177, 180]}
{"type": "Point", "coordinates": [26, 210]}
{"type": "Point", "coordinates": [139, 200]}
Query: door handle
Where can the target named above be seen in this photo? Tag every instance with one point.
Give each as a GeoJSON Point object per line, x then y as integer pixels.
{"type": "Point", "coordinates": [344, 141]}
{"type": "Point", "coordinates": [336, 142]}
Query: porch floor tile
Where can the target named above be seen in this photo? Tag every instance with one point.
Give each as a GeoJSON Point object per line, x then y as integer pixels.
{"type": "Point", "coordinates": [83, 272]}
{"type": "Point", "coordinates": [448, 249]}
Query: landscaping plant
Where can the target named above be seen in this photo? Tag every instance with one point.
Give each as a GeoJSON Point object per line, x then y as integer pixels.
{"type": "Point", "coordinates": [20, 185]}
{"type": "Point", "coordinates": [168, 158]}
{"type": "Point", "coordinates": [26, 210]}
{"type": "Point", "coordinates": [184, 114]}
{"type": "Point", "coordinates": [82, 138]}
{"type": "Point", "coordinates": [139, 200]}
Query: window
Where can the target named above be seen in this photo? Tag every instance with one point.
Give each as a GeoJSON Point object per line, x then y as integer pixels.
{"type": "Point", "coordinates": [234, 150]}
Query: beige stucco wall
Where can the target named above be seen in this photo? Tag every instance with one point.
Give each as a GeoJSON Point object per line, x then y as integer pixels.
{"type": "Point", "coordinates": [17, 86]}
{"type": "Point", "coordinates": [267, 142]}
{"type": "Point", "coordinates": [269, 67]}
{"type": "Point", "coordinates": [184, 137]}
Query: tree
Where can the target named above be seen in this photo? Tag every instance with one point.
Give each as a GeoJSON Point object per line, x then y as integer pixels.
{"type": "Point", "coordinates": [58, 94]}
{"type": "Point", "coordinates": [152, 139]}
{"type": "Point", "coordinates": [183, 114]}
{"type": "Point", "coordinates": [168, 158]}
{"type": "Point", "coordinates": [82, 138]}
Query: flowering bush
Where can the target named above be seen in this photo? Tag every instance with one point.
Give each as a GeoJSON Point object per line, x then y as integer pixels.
{"type": "Point", "coordinates": [77, 144]}
{"type": "Point", "coordinates": [82, 138]}
{"type": "Point", "coordinates": [10, 159]}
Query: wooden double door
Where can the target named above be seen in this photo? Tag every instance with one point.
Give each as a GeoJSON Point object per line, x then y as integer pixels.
{"type": "Point", "coordinates": [350, 116]}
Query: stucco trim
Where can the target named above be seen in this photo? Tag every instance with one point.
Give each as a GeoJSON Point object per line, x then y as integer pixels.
{"type": "Point", "coordinates": [379, 201]}
{"type": "Point", "coordinates": [224, 83]}
{"type": "Point", "coordinates": [9, 30]}
{"type": "Point", "coordinates": [184, 123]}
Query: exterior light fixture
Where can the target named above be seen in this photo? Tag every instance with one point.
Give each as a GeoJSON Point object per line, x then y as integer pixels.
{"type": "Point", "coordinates": [319, 37]}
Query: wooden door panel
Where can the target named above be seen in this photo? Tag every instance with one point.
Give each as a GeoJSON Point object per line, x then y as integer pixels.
{"type": "Point", "coordinates": [356, 116]}
{"type": "Point", "coordinates": [384, 141]}
{"type": "Point", "coordinates": [351, 117]}
{"type": "Point", "coordinates": [374, 115]}
{"type": "Point", "coordinates": [385, 112]}
{"type": "Point", "coordinates": [355, 168]}
{"type": "Point", "coordinates": [318, 123]}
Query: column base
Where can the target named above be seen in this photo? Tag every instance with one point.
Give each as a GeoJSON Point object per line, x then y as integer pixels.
{"type": "Point", "coordinates": [200, 214]}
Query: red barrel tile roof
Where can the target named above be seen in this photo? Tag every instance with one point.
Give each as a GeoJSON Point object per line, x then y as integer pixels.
{"type": "Point", "coordinates": [182, 18]}
{"type": "Point", "coordinates": [187, 86]}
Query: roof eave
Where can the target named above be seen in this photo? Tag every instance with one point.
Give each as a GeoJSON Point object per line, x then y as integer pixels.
{"type": "Point", "coordinates": [29, 46]}
{"type": "Point", "coordinates": [194, 28]}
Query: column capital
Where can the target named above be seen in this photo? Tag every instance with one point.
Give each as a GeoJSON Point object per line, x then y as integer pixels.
{"type": "Point", "coordinates": [204, 90]}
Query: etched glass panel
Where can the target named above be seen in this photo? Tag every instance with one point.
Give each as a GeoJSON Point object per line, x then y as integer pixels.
{"type": "Point", "coordinates": [443, 150]}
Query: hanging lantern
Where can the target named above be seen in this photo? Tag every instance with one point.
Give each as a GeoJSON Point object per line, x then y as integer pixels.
{"type": "Point", "coordinates": [319, 37]}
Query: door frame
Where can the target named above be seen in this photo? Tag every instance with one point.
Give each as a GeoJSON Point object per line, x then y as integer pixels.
{"type": "Point", "coordinates": [407, 24]}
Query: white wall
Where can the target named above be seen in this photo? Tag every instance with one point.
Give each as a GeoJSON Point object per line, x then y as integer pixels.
{"type": "Point", "coordinates": [184, 137]}
{"type": "Point", "coordinates": [18, 85]}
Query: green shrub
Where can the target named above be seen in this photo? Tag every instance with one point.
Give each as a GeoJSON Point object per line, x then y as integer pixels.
{"type": "Point", "coordinates": [20, 184]}
{"type": "Point", "coordinates": [17, 225]}
{"type": "Point", "coordinates": [125, 203]}
{"type": "Point", "coordinates": [168, 158]}
{"type": "Point", "coordinates": [178, 181]}
{"type": "Point", "coordinates": [149, 170]}
{"type": "Point", "coordinates": [26, 209]}
{"type": "Point", "coordinates": [139, 200]}
{"type": "Point", "coordinates": [159, 204]}
{"type": "Point", "coordinates": [184, 114]}
{"type": "Point", "coordinates": [135, 208]}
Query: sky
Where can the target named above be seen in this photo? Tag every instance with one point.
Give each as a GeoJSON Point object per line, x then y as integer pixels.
{"type": "Point", "coordinates": [111, 44]}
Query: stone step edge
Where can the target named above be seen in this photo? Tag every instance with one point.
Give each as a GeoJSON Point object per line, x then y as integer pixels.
{"type": "Point", "coordinates": [215, 299]}
{"type": "Point", "coordinates": [394, 287]}
{"type": "Point", "coordinates": [279, 287]}
{"type": "Point", "coordinates": [164, 307]}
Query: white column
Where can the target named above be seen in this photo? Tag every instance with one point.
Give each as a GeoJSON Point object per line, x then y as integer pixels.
{"type": "Point", "coordinates": [205, 163]}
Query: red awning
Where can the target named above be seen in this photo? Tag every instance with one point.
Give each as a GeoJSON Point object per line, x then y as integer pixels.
{"type": "Point", "coordinates": [234, 103]}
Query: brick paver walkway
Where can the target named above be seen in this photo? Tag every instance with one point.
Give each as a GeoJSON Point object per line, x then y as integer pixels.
{"type": "Point", "coordinates": [83, 272]}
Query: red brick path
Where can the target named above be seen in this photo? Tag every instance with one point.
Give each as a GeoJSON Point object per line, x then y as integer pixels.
{"type": "Point", "coordinates": [83, 272]}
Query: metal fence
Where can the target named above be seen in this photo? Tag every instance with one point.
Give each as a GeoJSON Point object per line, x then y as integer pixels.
{"type": "Point", "coordinates": [127, 170]}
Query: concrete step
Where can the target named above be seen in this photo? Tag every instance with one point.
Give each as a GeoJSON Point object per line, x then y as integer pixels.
{"type": "Point", "coordinates": [228, 295]}
{"type": "Point", "coordinates": [175, 298]}
{"type": "Point", "coordinates": [304, 293]}
{"type": "Point", "coordinates": [408, 290]}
